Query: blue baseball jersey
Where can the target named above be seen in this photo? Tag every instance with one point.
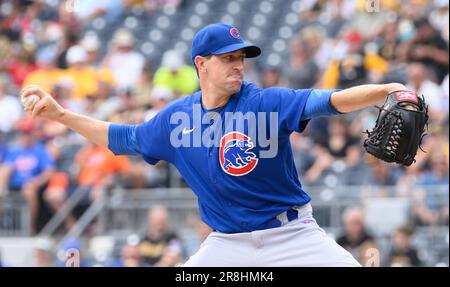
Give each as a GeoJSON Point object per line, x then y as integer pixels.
{"type": "Point", "coordinates": [27, 163]}
{"type": "Point", "coordinates": [242, 179]}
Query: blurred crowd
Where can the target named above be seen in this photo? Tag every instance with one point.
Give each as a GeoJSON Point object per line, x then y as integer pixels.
{"type": "Point", "coordinates": [159, 245]}
{"type": "Point", "coordinates": [339, 44]}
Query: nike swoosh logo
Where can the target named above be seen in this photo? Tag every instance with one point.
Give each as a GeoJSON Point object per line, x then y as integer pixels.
{"type": "Point", "coordinates": [185, 131]}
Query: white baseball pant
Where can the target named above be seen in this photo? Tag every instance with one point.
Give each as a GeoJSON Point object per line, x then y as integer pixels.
{"type": "Point", "coordinates": [298, 243]}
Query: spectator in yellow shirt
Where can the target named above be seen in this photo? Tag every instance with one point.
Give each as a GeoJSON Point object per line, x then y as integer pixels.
{"type": "Point", "coordinates": [46, 74]}
{"type": "Point", "coordinates": [175, 75]}
{"type": "Point", "coordinates": [105, 76]}
{"type": "Point", "coordinates": [84, 78]}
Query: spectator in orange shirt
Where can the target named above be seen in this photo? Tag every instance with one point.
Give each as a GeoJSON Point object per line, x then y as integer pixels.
{"type": "Point", "coordinates": [98, 167]}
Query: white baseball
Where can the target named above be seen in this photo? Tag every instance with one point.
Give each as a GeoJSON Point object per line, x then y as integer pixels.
{"type": "Point", "coordinates": [29, 102]}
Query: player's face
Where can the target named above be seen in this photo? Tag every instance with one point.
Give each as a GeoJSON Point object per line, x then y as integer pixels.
{"type": "Point", "coordinates": [226, 71]}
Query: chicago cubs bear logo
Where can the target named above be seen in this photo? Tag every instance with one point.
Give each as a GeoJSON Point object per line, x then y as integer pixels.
{"type": "Point", "coordinates": [235, 156]}
{"type": "Point", "coordinates": [235, 33]}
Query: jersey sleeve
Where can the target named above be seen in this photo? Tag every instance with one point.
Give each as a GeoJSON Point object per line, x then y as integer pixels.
{"type": "Point", "coordinates": [289, 104]}
{"type": "Point", "coordinates": [318, 104]}
{"type": "Point", "coordinates": [151, 139]}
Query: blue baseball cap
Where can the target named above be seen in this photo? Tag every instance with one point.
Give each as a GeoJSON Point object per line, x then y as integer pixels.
{"type": "Point", "coordinates": [219, 38]}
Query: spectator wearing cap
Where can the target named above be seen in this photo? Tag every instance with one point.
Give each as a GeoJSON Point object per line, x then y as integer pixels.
{"type": "Point", "coordinates": [46, 74]}
{"type": "Point", "coordinates": [105, 80]}
{"type": "Point", "coordinates": [175, 75]}
{"type": "Point", "coordinates": [10, 109]}
{"type": "Point", "coordinates": [27, 168]}
{"type": "Point", "coordinates": [84, 78]}
{"type": "Point", "coordinates": [92, 44]}
{"type": "Point", "coordinates": [160, 97]}
{"type": "Point", "coordinates": [357, 66]}
{"type": "Point", "coordinates": [125, 63]}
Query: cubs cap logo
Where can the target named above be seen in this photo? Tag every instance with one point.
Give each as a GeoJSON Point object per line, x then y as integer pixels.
{"type": "Point", "coordinates": [235, 33]}
{"type": "Point", "coordinates": [235, 156]}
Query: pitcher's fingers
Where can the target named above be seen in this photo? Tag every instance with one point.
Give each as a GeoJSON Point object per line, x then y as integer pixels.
{"type": "Point", "coordinates": [38, 108]}
{"type": "Point", "coordinates": [33, 89]}
{"type": "Point", "coordinates": [26, 88]}
{"type": "Point", "coordinates": [30, 90]}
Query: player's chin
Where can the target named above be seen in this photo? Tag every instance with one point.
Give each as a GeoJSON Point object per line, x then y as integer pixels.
{"type": "Point", "coordinates": [234, 86]}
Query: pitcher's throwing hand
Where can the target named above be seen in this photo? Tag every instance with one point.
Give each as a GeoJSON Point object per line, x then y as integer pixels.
{"type": "Point", "coordinates": [39, 103]}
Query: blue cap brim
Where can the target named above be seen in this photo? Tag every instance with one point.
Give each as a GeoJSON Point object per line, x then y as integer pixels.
{"type": "Point", "coordinates": [250, 50]}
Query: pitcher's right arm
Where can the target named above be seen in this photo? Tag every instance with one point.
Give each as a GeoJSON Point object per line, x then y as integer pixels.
{"type": "Point", "coordinates": [94, 130]}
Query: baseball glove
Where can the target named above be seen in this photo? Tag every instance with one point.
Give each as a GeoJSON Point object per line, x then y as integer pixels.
{"type": "Point", "coordinates": [399, 129]}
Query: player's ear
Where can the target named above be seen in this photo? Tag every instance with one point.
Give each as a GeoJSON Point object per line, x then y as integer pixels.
{"type": "Point", "coordinates": [200, 63]}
